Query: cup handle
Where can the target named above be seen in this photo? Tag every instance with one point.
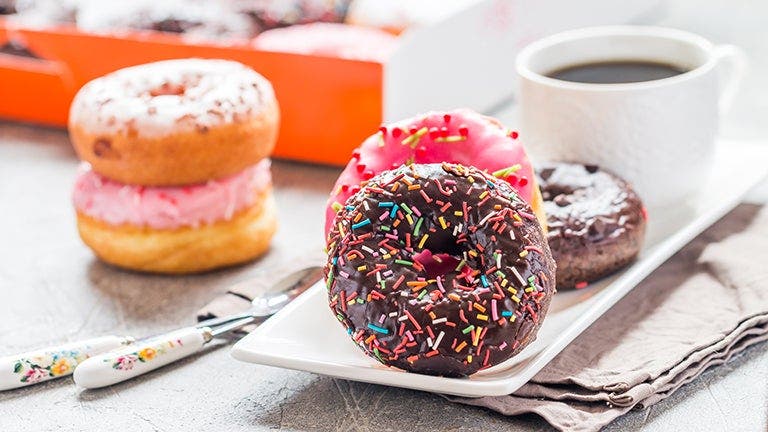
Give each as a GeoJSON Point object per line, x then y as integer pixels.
{"type": "Point", "coordinates": [732, 64]}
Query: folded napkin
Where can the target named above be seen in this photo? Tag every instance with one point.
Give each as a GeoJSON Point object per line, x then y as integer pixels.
{"type": "Point", "coordinates": [706, 304]}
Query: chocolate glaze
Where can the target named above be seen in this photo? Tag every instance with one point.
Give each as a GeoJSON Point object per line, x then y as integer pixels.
{"type": "Point", "coordinates": [479, 234]}
{"type": "Point", "coordinates": [596, 221]}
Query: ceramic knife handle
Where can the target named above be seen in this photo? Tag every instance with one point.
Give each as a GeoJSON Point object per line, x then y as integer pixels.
{"type": "Point", "coordinates": [45, 364]}
{"type": "Point", "coordinates": [141, 357]}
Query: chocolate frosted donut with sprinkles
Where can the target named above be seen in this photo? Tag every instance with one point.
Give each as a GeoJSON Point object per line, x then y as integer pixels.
{"type": "Point", "coordinates": [439, 269]}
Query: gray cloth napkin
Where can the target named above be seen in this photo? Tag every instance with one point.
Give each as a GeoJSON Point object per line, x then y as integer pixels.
{"type": "Point", "coordinates": [706, 304]}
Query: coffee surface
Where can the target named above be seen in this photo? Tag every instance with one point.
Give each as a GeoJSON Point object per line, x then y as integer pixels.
{"type": "Point", "coordinates": [616, 72]}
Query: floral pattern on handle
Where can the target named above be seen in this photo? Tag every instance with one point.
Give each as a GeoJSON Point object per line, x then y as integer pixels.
{"type": "Point", "coordinates": [50, 364]}
{"type": "Point", "coordinates": [127, 361]}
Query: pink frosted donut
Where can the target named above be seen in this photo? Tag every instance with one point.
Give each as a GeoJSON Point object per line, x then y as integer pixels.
{"type": "Point", "coordinates": [460, 136]}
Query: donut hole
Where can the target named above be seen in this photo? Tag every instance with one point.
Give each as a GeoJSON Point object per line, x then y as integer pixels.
{"type": "Point", "coordinates": [435, 265]}
{"type": "Point", "coordinates": [440, 256]}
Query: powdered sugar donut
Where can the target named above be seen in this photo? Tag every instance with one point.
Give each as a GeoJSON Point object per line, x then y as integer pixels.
{"type": "Point", "coordinates": [197, 21]}
{"type": "Point", "coordinates": [460, 136]}
{"type": "Point", "coordinates": [325, 39]}
{"type": "Point", "coordinates": [174, 122]}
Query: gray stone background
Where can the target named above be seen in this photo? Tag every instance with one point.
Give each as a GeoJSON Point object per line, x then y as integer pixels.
{"type": "Point", "coordinates": [52, 289]}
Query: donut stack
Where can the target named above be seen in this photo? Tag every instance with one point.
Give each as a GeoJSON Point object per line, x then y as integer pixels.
{"type": "Point", "coordinates": [176, 177]}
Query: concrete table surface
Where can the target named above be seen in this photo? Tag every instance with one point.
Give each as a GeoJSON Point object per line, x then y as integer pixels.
{"type": "Point", "coordinates": [53, 289]}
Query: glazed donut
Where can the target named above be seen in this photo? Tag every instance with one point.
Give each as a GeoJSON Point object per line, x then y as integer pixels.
{"type": "Point", "coordinates": [333, 40]}
{"type": "Point", "coordinates": [460, 136]}
{"type": "Point", "coordinates": [439, 269]}
{"type": "Point", "coordinates": [197, 21]}
{"type": "Point", "coordinates": [174, 122]}
{"type": "Point", "coordinates": [596, 221]}
{"type": "Point", "coordinates": [177, 229]}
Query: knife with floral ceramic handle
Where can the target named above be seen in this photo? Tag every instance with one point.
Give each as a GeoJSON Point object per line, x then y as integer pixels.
{"type": "Point", "coordinates": [45, 364]}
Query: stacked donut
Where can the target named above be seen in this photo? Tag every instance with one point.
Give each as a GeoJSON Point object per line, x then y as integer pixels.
{"type": "Point", "coordinates": [176, 177]}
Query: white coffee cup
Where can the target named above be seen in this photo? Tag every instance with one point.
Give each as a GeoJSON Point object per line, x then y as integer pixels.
{"type": "Point", "coordinates": [659, 135]}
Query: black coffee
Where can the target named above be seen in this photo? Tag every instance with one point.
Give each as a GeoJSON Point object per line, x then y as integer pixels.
{"type": "Point", "coordinates": [616, 72]}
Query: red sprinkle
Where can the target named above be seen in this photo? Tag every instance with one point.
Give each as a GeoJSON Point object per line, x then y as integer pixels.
{"type": "Point", "coordinates": [396, 132]}
{"type": "Point", "coordinates": [582, 284]}
{"type": "Point", "coordinates": [463, 130]}
{"type": "Point", "coordinates": [523, 181]}
{"type": "Point", "coordinates": [383, 130]}
{"type": "Point", "coordinates": [360, 168]}
{"type": "Point", "coordinates": [513, 134]}
{"type": "Point", "coordinates": [447, 118]}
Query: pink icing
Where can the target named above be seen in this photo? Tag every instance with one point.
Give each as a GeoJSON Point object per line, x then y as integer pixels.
{"type": "Point", "coordinates": [480, 141]}
{"type": "Point", "coordinates": [168, 207]}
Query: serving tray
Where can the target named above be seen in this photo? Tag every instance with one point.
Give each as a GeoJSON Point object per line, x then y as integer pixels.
{"type": "Point", "coordinates": [306, 336]}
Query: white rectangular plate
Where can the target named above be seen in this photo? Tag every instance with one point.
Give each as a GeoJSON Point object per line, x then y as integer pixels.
{"type": "Point", "coordinates": [306, 336]}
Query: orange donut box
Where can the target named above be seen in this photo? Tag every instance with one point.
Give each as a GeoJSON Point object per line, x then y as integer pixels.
{"type": "Point", "coordinates": [328, 105]}
{"type": "Point", "coordinates": [33, 90]}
